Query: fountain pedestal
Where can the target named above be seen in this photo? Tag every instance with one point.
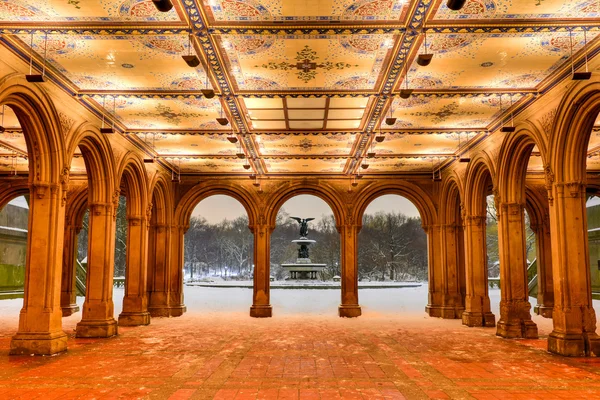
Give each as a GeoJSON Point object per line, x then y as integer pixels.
{"type": "Point", "coordinates": [303, 268]}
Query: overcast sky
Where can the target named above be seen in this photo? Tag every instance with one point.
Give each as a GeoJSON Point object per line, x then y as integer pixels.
{"type": "Point", "coordinates": [219, 207]}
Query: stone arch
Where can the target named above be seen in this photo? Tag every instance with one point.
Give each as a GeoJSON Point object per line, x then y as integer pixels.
{"type": "Point", "coordinates": [160, 196]}
{"type": "Point", "coordinates": [421, 199]}
{"type": "Point", "coordinates": [12, 190]}
{"type": "Point", "coordinates": [196, 194]}
{"type": "Point", "coordinates": [479, 170]}
{"type": "Point", "coordinates": [99, 161]}
{"type": "Point", "coordinates": [132, 172]}
{"type": "Point", "coordinates": [77, 203]}
{"type": "Point", "coordinates": [515, 152]}
{"type": "Point", "coordinates": [41, 126]}
{"type": "Point", "coordinates": [575, 118]}
{"type": "Point", "coordinates": [452, 190]}
{"type": "Point", "coordinates": [323, 191]}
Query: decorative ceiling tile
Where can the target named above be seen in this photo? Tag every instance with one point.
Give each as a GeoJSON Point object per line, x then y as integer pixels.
{"type": "Point", "coordinates": [306, 144]}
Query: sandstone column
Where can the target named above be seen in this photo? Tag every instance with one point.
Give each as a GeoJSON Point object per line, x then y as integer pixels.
{"type": "Point", "coordinates": [543, 247]}
{"type": "Point", "coordinates": [175, 271]}
{"type": "Point", "coordinates": [477, 301]}
{"type": "Point", "coordinates": [159, 246]}
{"type": "Point", "coordinates": [40, 325]}
{"type": "Point", "coordinates": [261, 297]}
{"type": "Point", "coordinates": [135, 303]}
{"type": "Point", "coordinates": [574, 318]}
{"type": "Point", "coordinates": [98, 308]}
{"type": "Point", "coordinates": [451, 269]}
{"type": "Point", "coordinates": [68, 295]}
{"type": "Point", "coordinates": [349, 247]}
{"type": "Point", "coordinates": [515, 317]}
{"type": "Point", "coordinates": [435, 272]}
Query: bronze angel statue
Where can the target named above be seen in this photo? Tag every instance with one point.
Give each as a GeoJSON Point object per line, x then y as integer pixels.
{"type": "Point", "coordinates": [303, 225]}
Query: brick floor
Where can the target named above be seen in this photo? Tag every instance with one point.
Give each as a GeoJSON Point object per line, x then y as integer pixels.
{"type": "Point", "coordinates": [231, 356]}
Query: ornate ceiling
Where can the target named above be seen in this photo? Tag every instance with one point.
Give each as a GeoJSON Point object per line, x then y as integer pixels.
{"type": "Point", "coordinates": [305, 84]}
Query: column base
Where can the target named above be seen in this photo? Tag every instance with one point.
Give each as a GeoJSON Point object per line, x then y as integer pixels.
{"type": "Point", "coordinates": [261, 311]}
{"type": "Point", "coordinates": [574, 345]}
{"type": "Point", "coordinates": [96, 328]}
{"type": "Point", "coordinates": [518, 330]}
{"type": "Point", "coordinates": [444, 312]}
{"type": "Point", "coordinates": [134, 318]}
{"type": "Point", "coordinates": [544, 311]}
{"type": "Point", "coordinates": [69, 310]}
{"type": "Point", "coordinates": [349, 311]}
{"type": "Point", "coordinates": [473, 319]}
{"type": "Point", "coordinates": [166, 311]}
{"type": "Point", "coordinates": [39, 344]}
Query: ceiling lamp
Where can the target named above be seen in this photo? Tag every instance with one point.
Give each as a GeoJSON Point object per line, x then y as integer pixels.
{"type": "Point", "coordinates": [176, 177]}
{"type": "Point", "coordinates": [163, 5]}
{"type": "Point", "coordinates": [232, 138]}
{"type": "Point", "coordinates": [371, 153]}
{"type": "Point", "coordinates": [455, 5]}
{"type": "Point", "coordinates": [580, 76]}
{"type": "Point", "coordinates": [406, 92]}
{"type": "Point", "coordinates": [191, 60]}
{"type": "Point", "coordinates": [424, 59]}
{"type": "Point", "coordinates": [467, 158]}
{"type": "Point", "coordinates": [151, 159]}
{"type": "Point", "coordinates": [240, 152]}
{"type": "Point", "coordinates": [354, 182]}
{"type": "Point", "coordinates": [208, 92]}
{"type": "Point", "coordinates": [364, 165]}
{"type": "Point", "coordinates": [246, 164]}
{"type": "Point", "coordinates": [110, 129]}
{"type": "Point", "coordinates": [2, 128]}
{"type": "Point", "coordinates": [511, 128]}
{"type": "Point", "coordinates": [391, 120]}
{"type": "Point", "coordinates": [222, 120]}
{"type": "Point", "coordinates": [37, 78]}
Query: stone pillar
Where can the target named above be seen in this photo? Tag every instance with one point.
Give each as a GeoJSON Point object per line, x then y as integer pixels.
{"type": "Point", "coordinates": [175, 271]}
{"type": "Point", "coordinates": [68, 294]}
{"type": "Point", "coordinates": [450, 275]}
{"type": "Point", "coordinates": [349, 247]}
{"type": "Point", "coordinates": [261, 297]}
{"type": "Point", "coordinates": [477, 301]}
{"type": "Point", "coordinates": [574, 318]}
{"type": "Point", "coordinates": [543, 248]}
{"type": "Point", "coordinates": [135, 303]}
{"type": "Point", "coordinates": [515, 317]}
{"type": "Point", "coordinates": [159, 247]}
{"type": "Point", "coordinates": [98, 308]}
{"type": "Point", "coordinates": [434, 272]}
{"type": "Point", "coordinates": [40, 325]}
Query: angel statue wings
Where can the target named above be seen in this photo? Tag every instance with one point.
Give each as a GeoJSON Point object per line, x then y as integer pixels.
{"type": "Point", "coordinates": [303, 225]}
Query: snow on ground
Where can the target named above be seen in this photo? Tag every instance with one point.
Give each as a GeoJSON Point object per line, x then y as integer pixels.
{"type": "Point", "coordinates": [376, 303]}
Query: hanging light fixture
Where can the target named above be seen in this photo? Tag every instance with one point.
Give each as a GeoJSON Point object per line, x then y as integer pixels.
{"type": "Point", "coordinates": [455, 5]}
{"type": "Point", "coordinates": [176, 177]}
{"type": "Point", "coordinates": [354, 182]}
{"type": "Point", "coordinates": [246, 164]}
{"type": "Point", "coordinates": [222, 120]}
{"type": "Point", "coordinates": [424, 59]}
{"type": "Point", "coordinates": [111, 129]}
{"type": "Point", "coordinates": [511, 128]}
{"type": "Point", "coordinates": [381, 137]}
{"type": "Point", "coordinates": [37, 78]}
{"type": "Point", "coordinates": [371, 153]}
{"type": "Point", "coordinates": [364, 164]}
{"type": "Point", "coordinates": [467, 158]}
{"type": "Point", "coordinates": [391, 120]}
{"type": "Point", "coordinates": [191, 60]}
{"type": "Point", "coordinates": [232, 138]}
{"type": "Point", "coordinates": [240, 152]}
{"type": "Point", "coordinates": [579, 76]}
{"type": "Point", "coordinates": [208, 92]}
{"type": "Point", "coordinates": [406, 92]}
{"type": "Point", "coordinates": [2, 128]}
{"type": "Point", "coordinates": [151, 159]}
{"type": "Point", "coordinates": [163, 5]}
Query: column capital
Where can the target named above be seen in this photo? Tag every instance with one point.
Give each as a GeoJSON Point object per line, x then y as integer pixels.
{"type": "Point", "coordinates": [475, 220]}
{"type": "Point", "coordinates": [101, 208]}
{"type": "Point", "coordinates": [573, 189]}
{"type": "Point", "coordinates": [513, 208]}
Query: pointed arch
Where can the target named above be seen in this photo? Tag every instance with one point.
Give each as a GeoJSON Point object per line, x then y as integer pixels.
{"type": "Point", "coordinates": [480, 173]}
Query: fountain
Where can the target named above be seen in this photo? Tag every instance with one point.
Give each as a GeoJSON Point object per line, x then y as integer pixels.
{"type": "Point", "coordinates": [303, 268]}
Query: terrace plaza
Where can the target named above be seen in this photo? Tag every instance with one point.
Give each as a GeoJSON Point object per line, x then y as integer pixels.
{"type": "Point", "coordinates": [344, 100]}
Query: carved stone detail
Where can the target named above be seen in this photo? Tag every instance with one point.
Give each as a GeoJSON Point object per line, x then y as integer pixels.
{"type": "Point", "coordinates": [547, 121]}
{"type": "Point", "coordinates": [66, 122]}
